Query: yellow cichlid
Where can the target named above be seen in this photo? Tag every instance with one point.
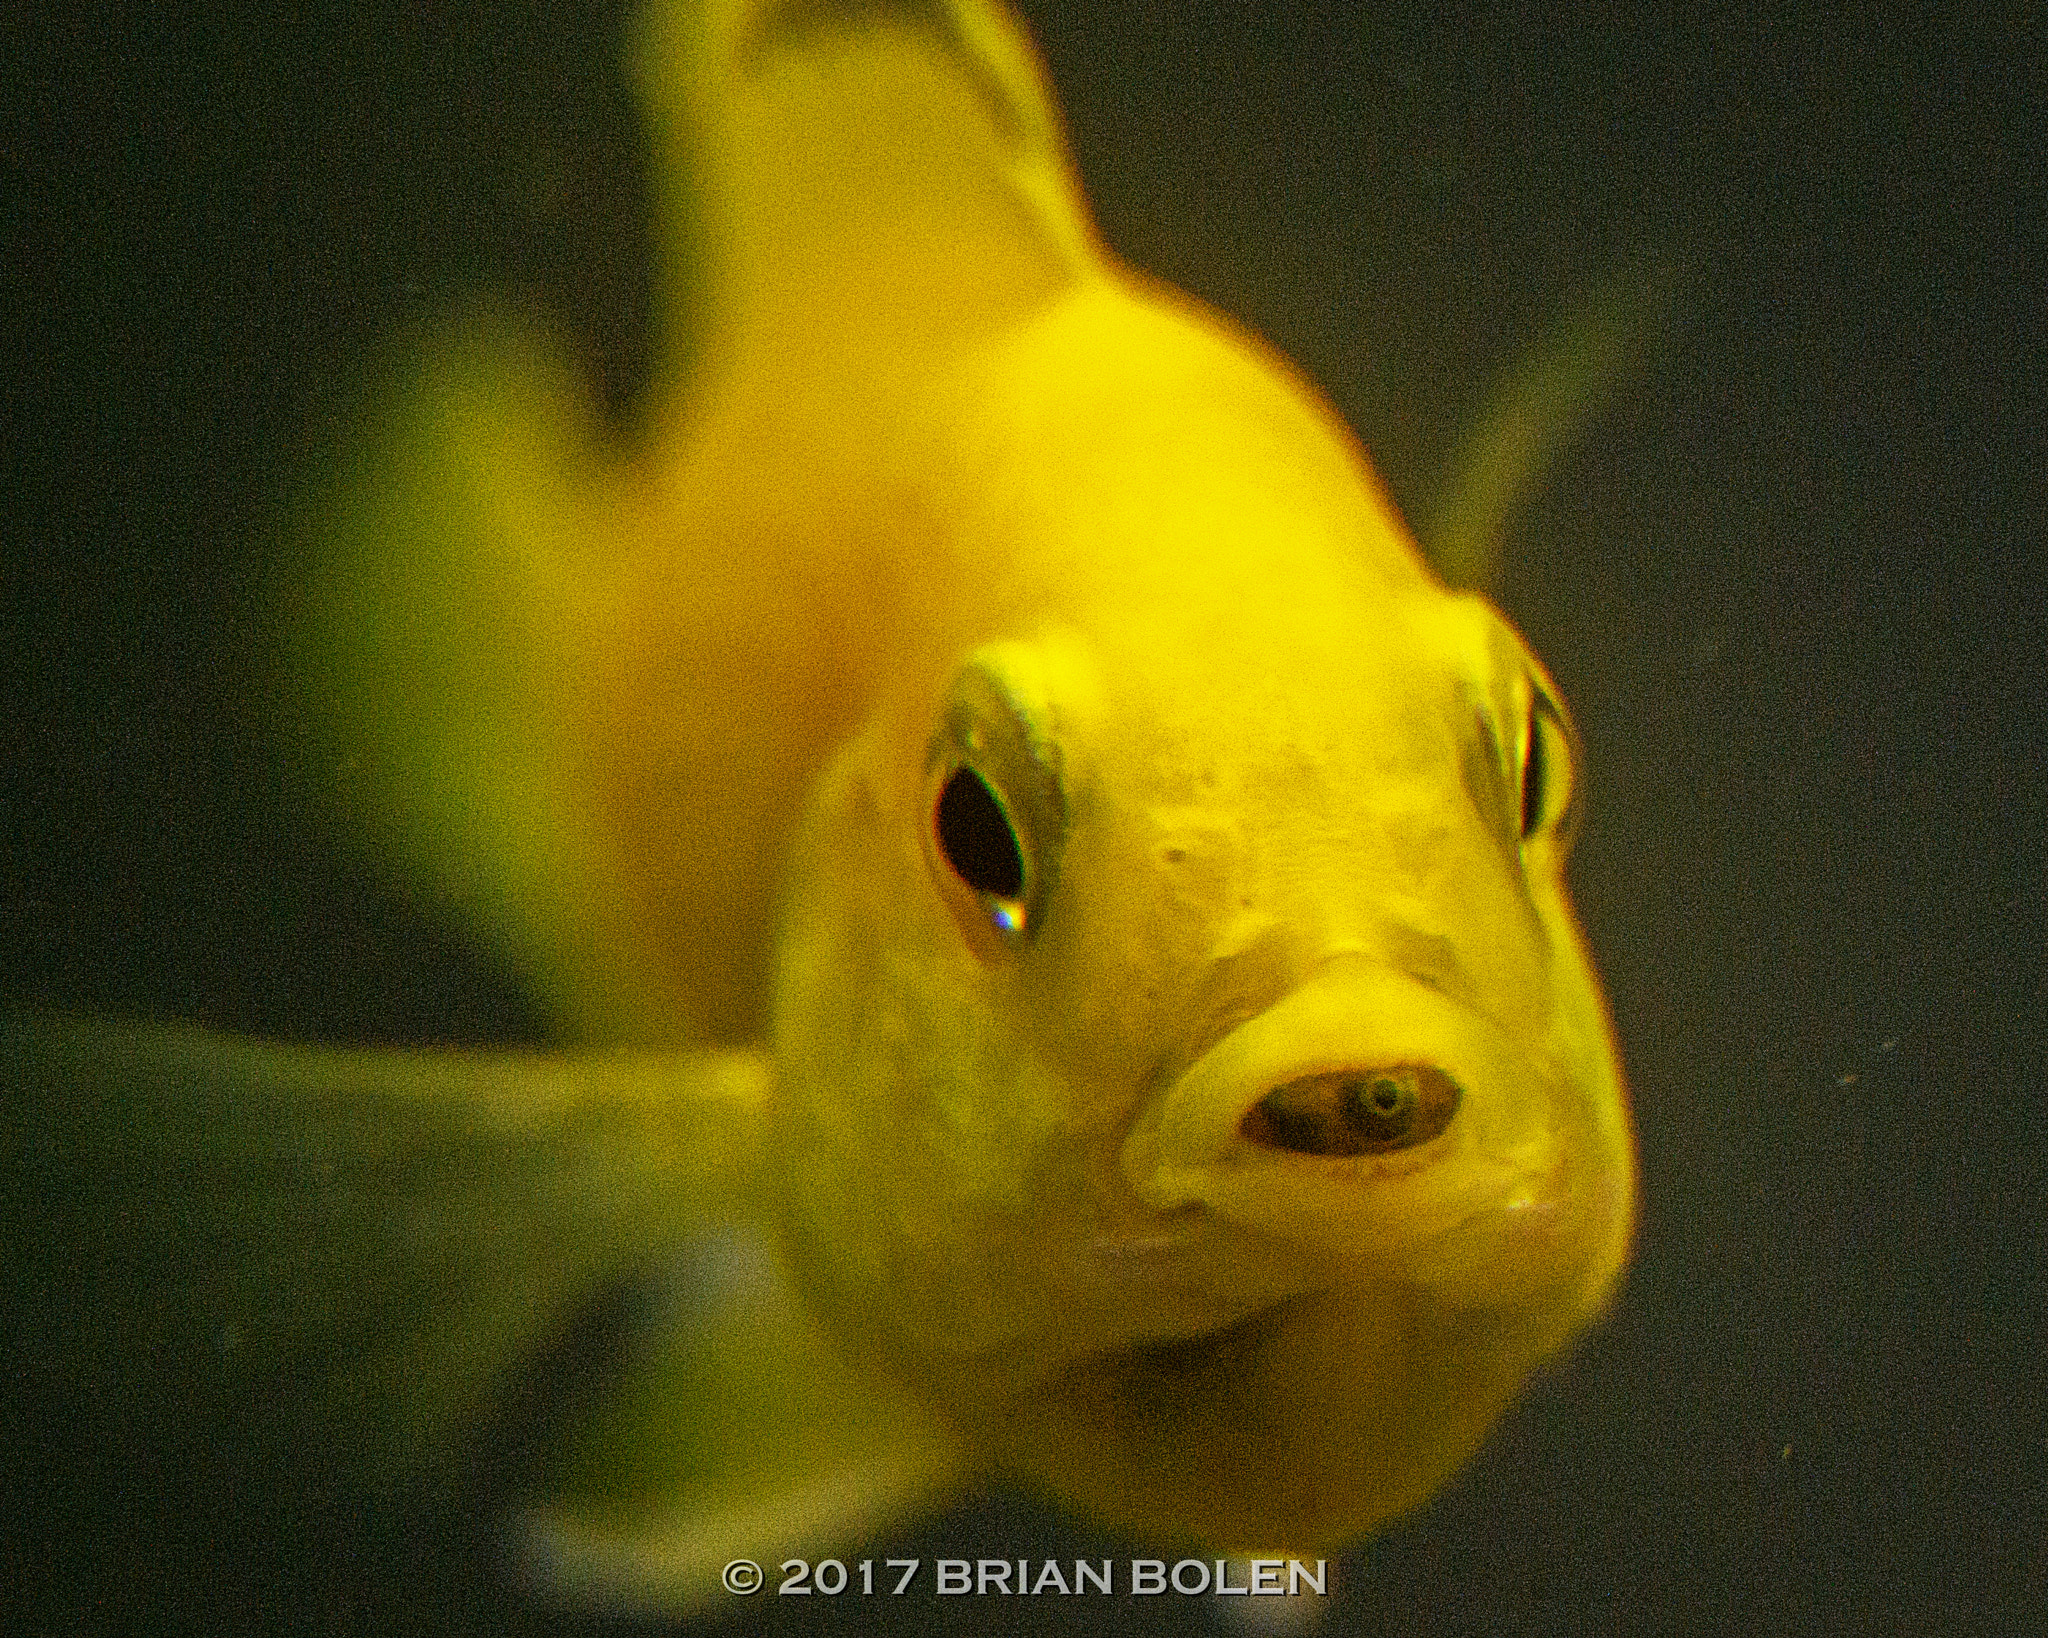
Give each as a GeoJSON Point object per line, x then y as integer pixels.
{"type": "Point", "coordinates": [1092, 901]}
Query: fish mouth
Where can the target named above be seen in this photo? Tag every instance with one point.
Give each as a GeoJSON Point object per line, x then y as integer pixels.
{"type": "Point", "coordinates": [1372, 1123]}
{"type": "Point", "coordinates": [1344, 1112]}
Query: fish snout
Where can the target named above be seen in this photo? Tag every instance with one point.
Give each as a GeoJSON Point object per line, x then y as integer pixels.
{"type": "Point", "coordinates": [1384, 1129]}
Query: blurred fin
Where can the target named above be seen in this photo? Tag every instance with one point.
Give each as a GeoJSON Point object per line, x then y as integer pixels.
{"type": "Point", "coordinates": [1540, 407]}
{"type": "Point", "coordinates": [574, 691]}
{"type": "Point", "coordinates": [206, 1221]}
{"type": "Point", "coordinates": [853, 174]}
{"type": "Point", "coordinates": [448, 594]}
{"type": "Point", "coordinates": [745, 1435]}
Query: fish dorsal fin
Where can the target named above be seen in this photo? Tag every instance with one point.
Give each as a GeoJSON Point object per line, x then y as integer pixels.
{"type": "Point", "coordinates": [855, 173]}
{"type": "Point", "coordinates": [515, 656]}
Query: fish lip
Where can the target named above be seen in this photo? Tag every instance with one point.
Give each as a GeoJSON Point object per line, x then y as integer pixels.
{"type": "Point", "coordinates": [1142, 1232]}
{"type": "Point", "coordinates": [1349, 1012]}
{"type": "Point", "coordinates": [1357, 1212]}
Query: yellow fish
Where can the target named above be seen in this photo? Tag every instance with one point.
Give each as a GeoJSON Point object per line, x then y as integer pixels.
{"type": "Point", "coordinates": [1089, 902]}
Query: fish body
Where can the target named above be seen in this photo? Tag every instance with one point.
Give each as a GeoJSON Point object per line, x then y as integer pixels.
{"type": "Point", "coordinates": [1267, 783]}
{"type": "Point", "coordinates": [1101, 896]}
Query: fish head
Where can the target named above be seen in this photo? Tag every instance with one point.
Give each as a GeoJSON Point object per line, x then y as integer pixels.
{"type": "Point", "coordinates": [1191, 1072]}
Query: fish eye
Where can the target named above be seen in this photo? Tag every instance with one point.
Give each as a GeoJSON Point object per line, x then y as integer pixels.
{"type": "Point", "coordinates": [995, 812]}
{"type": "Point", "coordinates": [1522, 757]}
{"type": "Point", "coordinates": [1549, 794]}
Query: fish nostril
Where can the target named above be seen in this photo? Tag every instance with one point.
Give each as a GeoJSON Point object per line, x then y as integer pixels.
{"type": "Point", "coordinates": [1354, 1112]}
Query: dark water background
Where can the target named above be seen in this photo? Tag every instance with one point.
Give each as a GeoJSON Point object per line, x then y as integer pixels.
{"type": "Point", "coordinates": [1797, 590]}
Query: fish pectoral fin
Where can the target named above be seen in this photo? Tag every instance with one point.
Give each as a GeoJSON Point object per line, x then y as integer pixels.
{"type": "Point", "coordinates": [443, 597]}
{"type": "Point", "coordinates": [360, 1244]}
{"type": "Point", "coordinates": [852, 173]}
{"type": "Point", "coordinates": [744, 1435]}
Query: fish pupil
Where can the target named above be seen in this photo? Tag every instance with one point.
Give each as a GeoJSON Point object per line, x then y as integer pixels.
{"type": "Point", "coordinates": [1534, 774]}
{"type": "Point", "coordinates": [977, 838]}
